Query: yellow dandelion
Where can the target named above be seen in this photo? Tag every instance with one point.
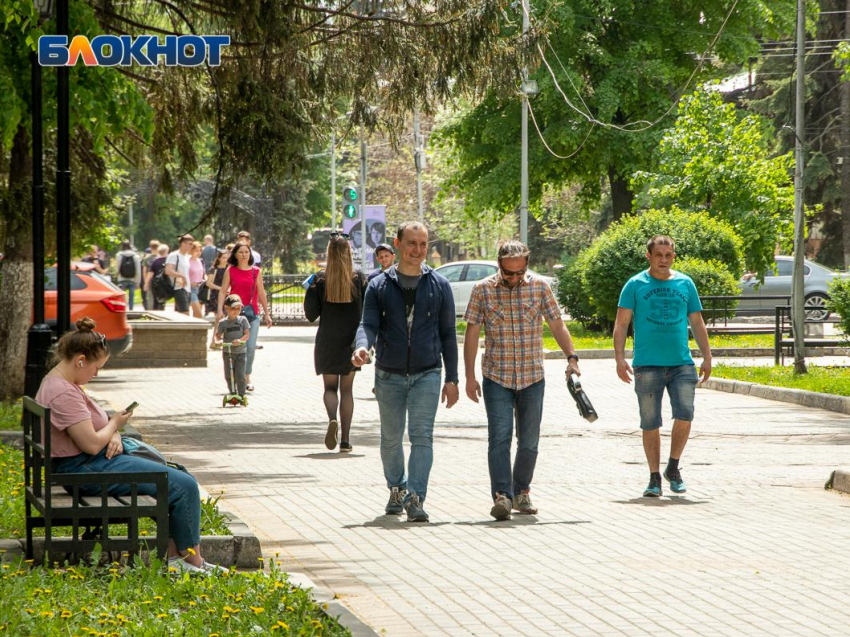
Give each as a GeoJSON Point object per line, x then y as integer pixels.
{"type": "Point", "coordinates": [161, 615]}
{"type": "Point", "coordinates": [258, 609]}
{"type": "Point", "coordinates": [193, 604]}
{"type": "Point", "coordinates": [47, 613]}
{"type": "Point", "coordinates": [283, 625]}
{"type": "Point", "coordinates": [29, 610]}
{"type": "Point", "coordinates": [66, 614]}
{"type": "Point", "coordinates": [225, 616]}
{"type": "Point", "coordinates": [158, 598]}
{"type": "Point", "coordinates": [204, 596]}
{"type": "Point", "coordinates": [191, 551]}
{"type": "Point", "coordinates": [143, 532]}
{"type": "Point", "coordinates": [147, 601]}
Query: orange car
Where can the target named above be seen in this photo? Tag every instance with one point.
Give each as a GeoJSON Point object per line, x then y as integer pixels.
{"type": "Point", "coordinates": [92, 295]}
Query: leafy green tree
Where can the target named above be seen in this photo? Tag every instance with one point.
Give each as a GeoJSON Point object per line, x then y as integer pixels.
{"type": "Point", "coordinates": [622, 64]}
{"type": "Point", "coordinates": [718, 159]}
{"type": "Point", "coordinates": [292, 67]}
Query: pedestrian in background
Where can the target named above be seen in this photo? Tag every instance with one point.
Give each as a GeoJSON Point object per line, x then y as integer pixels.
{"type": "Point", "coordinates": [215, 276]}
{"type": "Point", "coordinates": [245, 237]}
{"type": "Point", "coordinates": [234, 330]}
{"type": "Point", "coordinates": [177, 267]}
{"type": "Point", "coordinates": [197, 275]}
{"type": "Point", "coordinates": [336, 295]}
{"type": "Point", "coordinates": [409, 316]}
{"type": "Point", "coordinates": [385, 256]}
{"type": "Point", "coordinates": [662, 302]}
{"type": "Point", "coordinates": [511, 306]}
{"type": "Point", "coordinates": [209, 252]}
{"type": "Point", "coordinates": [156, 266]}
{"type": "Point", "coordinates": [100, 265]}
{"type": "Point", "coordinates": [129, 271]}
{"type": "Point", "coordinates": [150, 255]}
{"type": "Point", "coordinates": [245, 279]}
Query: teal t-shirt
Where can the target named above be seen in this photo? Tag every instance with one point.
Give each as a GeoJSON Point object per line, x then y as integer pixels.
{"type": "Point", "coordinates": [661, 310]}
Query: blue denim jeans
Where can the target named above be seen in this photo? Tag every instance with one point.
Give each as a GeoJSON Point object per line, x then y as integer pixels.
{"type": "Point", "coordinates": [130, 287]}
{"type": "Point", "coordinates": [414, 399]}
{"type": "Point", "coordinates": [650, 382]}
{"type": "Point", "coordinates": [184, 500]}
{"type": "Point", "coordinates": [252, 344]}
{"type": "Point", "coordinates": [502, 404]}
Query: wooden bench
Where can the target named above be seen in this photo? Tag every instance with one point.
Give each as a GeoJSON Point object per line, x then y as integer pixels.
{"type": "Point", "coordinates": [54, 500]}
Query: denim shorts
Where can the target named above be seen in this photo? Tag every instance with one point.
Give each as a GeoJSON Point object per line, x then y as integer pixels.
{"type": "Point", "coordinates": [195, 289]}
{"type": "Point", "coordinates": [650, 382]}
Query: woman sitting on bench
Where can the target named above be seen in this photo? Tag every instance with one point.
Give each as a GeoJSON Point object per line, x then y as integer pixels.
{"type": "Point", "coordinates": [84, 440]}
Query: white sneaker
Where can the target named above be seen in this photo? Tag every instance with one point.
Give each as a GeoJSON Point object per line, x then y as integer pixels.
{"type": "Point", "coordinates": [182, 566]}
{"type": "Point", "coordinates": [213, 568]}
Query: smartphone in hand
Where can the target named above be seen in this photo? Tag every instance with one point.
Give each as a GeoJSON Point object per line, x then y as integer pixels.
{"type": "Point", "coordinates": [132, 406]}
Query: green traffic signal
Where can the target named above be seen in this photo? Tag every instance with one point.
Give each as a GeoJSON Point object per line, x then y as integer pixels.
{"type": "Point", "coordinates": [349, 193]}
{"type": "Point", "coordinates": [349, 210]}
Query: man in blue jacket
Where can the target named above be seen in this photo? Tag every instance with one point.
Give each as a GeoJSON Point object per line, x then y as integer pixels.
{"type": "Point", "coordinates": [409, 317]}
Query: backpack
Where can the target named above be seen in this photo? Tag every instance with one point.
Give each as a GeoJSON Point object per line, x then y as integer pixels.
{"type": "Point", "coordinates": [127, 267]}
{"type": "Point", "coordinates": [163, 285]}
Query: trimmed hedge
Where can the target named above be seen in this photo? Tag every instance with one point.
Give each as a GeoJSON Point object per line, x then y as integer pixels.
{"type": "Point", "coordinates": [620, 252]}
{"type": "Point", "coordinates": [839, 302]}
{"type": "Point", "coordinates": [571, 294]}
{"type": "Point", "coordinates": [712, 278]}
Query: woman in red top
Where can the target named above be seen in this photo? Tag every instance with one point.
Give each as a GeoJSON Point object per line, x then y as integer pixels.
{"type": "Point", "coordinates": [246, 280]}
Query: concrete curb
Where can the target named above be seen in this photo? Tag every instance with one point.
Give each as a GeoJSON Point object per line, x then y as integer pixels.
{"type": "Point", "coordinates": [721, 352]}
{"type": "Point", "coordinates": [839, 480]}
{"type": "Point", "coordinates": [332, 607]}
{"type": "Point", "coordinates": [818, 400]}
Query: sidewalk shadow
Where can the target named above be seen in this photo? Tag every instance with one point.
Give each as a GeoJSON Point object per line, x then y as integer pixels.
{"type": "Point", "coordinates": [671, 500]}
{"type": "Point", "coordinates": [525, 520]}
{"type": "Point", "coordinates": [331, 455]}
{"type": "Point", "coordinates": [393, 523]}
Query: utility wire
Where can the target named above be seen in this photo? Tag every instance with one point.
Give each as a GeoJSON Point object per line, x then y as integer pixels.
{"type": "Point", "coordinates": [627, 127]}
{"type": "Point", "coordinates": [542, 139]}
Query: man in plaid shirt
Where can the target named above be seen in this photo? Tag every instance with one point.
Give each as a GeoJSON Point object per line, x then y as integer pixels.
{"type": "Point", "coordinates": [511, 304]}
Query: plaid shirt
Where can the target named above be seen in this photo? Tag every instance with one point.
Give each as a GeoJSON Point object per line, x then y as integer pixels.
{"type": "Point", "coordinates": [513, 331]}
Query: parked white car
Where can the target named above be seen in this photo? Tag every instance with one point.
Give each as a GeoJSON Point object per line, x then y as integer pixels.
{"type": "Point", "coordinates": [463, 275]}
{"type": "Point", "coordinates": [816, 281]}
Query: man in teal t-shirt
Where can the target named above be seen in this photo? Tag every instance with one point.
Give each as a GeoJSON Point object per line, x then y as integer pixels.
{"type": "Point", "coordinates": [662, 302]}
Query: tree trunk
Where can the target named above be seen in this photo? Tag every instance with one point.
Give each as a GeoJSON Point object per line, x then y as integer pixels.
{"type": "Point", "coordinates": [621, 195]}
{"type": "Point", "coordinates": [845, 155]}
{"type": "Point", "coordinates": [16, 274]}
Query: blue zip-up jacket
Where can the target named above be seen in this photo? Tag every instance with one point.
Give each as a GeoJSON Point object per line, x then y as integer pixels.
{"type": "Point", "coordinates": [433, 334]}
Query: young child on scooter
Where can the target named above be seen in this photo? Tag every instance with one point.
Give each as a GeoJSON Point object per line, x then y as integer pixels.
{"type": "Point", "coordinates": [234, 330]}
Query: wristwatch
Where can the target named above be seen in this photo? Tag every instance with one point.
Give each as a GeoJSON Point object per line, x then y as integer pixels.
{"type": "Point", "coordinates": [451, 382]}
{"type": "Point", "coordinates": [573, 356]}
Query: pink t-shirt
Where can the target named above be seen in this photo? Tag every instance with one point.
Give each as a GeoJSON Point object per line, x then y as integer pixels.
{"type": "Point", "coordinates": [68, 405]}
{"type": "Point", "coordinates": [242, 282]}
{"type": "Point", "coordinates": [196, 271]}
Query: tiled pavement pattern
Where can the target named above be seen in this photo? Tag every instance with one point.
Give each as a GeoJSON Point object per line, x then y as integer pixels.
{"type": "Point", "coordinates": [755, 547]}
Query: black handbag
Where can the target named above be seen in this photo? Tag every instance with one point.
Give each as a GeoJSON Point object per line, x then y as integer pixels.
{"type": "Point", "coordinates": [203, 293]}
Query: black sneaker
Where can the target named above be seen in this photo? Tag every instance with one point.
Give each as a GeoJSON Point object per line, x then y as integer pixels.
{"type": "Point", "coordinates": [395, 506]}
{"type": "Point", "coordinates": [415, 512]}
{"type": "Point", "coordinates": [345, 447]}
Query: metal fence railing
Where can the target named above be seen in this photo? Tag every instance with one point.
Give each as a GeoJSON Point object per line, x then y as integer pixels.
{"type": "Point", "coordinates": [286, 297]}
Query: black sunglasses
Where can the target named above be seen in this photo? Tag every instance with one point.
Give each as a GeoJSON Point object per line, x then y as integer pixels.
{"type": "Point", "coordinates": [512, 272]}
{"type": "Point", "coordinates": [334, 235]}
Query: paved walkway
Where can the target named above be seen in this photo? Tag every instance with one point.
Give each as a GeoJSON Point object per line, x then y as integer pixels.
{"type": "Point", "coordinates": [755, 547]}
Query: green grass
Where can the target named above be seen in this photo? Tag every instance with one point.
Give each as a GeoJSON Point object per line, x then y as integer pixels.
{"type": "Point", "coordinates": [10, 415]}
{"type": "Point", "coordinates": [827, 380]}
{"type": "Point", "coordinates": [12, 523]}
{"type": "Point", "coordinates": [588, 339]}
{"type": "Point", "coordinates": [147, 602]}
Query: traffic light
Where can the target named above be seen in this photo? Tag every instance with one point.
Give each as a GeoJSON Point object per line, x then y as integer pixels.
{"type": "Point", "coordinates": [349, 193]}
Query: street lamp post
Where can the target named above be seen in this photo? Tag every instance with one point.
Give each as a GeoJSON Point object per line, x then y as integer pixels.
{"type": "Point", "coordinates": [798, 316]}
{"type": "Point", "coordinates": [39, 336]}
{"type": "Point", "coordinates": [63, 184]}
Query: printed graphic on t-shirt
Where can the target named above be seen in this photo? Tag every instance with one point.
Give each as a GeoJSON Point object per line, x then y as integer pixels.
{"type": "Point", "coordinates": [667, 308]}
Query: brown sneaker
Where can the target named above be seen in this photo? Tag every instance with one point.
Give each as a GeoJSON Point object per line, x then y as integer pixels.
{"type": "Point", "coordinates": [501, 507]}
{"type": "Point", "coordinates": [522, 503]}
{"type": "Point", "coordinates": [332, 437]}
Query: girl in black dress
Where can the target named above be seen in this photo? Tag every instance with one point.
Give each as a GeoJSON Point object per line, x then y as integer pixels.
{"type": "Point", "coordinates": [336, 294]}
